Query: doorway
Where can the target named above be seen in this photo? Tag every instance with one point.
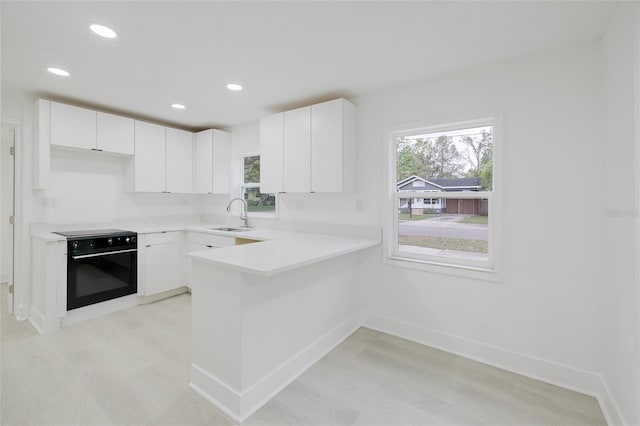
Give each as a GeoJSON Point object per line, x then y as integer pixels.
{"type": "Point", "coordinates": [7, 213]}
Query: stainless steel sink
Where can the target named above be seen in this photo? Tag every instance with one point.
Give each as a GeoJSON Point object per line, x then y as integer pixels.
{"type": "Point", "coordinates": [228, 229]}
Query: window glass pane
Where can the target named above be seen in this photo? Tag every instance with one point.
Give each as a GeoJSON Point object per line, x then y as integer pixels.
{"type": "Point", "coordinates": [456, 160]}
{"type": "Point", "coordinates": [251, 172]}
{"type": "Point", "coordinates": [258, 202]}
{"type": "Point", "coordinates": [451, 227]}
{"type": "Point", "coordinates": [451, 161]}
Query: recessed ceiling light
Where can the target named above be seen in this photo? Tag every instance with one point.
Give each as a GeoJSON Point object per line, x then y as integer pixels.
{"type": "Point", "coordinates": [103, 31]}
{"type": "Point", "coordinates": [178, 106]}
{"type": "Point", "coordinates": [58, 71]}
{"type": "Point", "coordinates": [234, 86]}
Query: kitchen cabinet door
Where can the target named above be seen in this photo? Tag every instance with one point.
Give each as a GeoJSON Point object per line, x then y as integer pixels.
{"type": "Point", "coordinates": [149, 159]}
{"type": "Point", "coordinates": [221, 162]}
{"type": "Point", "coordinates": [203, 160]}
{"type": "Point", "coordinates": [333, 162]}
{"type": "Point", "coordinates": [72, 126]}
{"type": "Point", "coordinates": [179, 161]}
{"type": "Point", "coordinates": [297, 150]}
{"type": "Point", "coordinates": [163, 267]}
{"type": "Point", "coordinates": [115, 134]}
{"type": "Point", "coordinates": [188, 262]}
{"type": "Point", "coordinates": [212, 162]}
{"type": "Point", "coordinates": [271, 153]}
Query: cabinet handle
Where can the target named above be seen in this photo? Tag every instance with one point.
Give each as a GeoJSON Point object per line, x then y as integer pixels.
{"type": "Point", "coordinates": [148, 245]}
{"type": "Point", "coordinates": [209, 246]}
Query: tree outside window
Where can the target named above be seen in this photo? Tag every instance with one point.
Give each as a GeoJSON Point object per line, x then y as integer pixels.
{"type": "Point", "coordinates": [256, 201]}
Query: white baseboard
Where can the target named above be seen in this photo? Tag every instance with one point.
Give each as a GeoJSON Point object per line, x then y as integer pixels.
{"type": "Point", "coordinates": [608, 405]}
{"type": "Point", "coordinates": [241, 405]}
{"type": "Point", "coordinates": [75, 316]}
{"type": "Point", "coordinates": [23, 312]}
{"type": "Point", "coordinates": [206, 385]}
{"type": "Point", "coordinates": [143, 300]}
{"type": "Point", "coordinates": [37, 319]}
{"type": "Point", "coordinates": [558, 374]}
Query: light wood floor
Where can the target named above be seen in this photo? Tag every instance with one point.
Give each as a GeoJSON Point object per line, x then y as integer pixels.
{"type": "Point", "coordinates": [132, 367]}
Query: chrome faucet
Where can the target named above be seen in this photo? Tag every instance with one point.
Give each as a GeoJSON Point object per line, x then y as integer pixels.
{"type": "Point", "coordinates": [243, 216]}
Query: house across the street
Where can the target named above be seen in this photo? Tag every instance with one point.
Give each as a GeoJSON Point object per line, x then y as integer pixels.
{"type": "Point", "coordinates": [431, 204]}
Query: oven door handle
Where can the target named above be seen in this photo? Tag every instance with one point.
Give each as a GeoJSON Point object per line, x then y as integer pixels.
{"type": "Point", "coordinates": [85, 256]}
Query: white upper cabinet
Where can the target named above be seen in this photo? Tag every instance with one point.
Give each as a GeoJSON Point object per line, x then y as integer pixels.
{"type": "Point", "coordinates": [203, 160]}
{"type": "Point", "coordinates": [115, 134]}
{"type": "Point", "coordinates": [149, 159]}
{"type": "Point", "coordinates": [297, 150]}
{"type": "Point", "coordinates": [311, 149]}
{"type": "Point", "coordinates": [72, 126]}
{"type": "Point", "coordinates": [333, 155]}
{"type": "Point", "coordinates": [271, 154]}
{"type": "Point", "coordinates": [82, 128]}
{"type": "Point", "coordinates": [179, 161]}
{"type": "Point", "coordinates": [221, 162]}
{"type": "Point", "coordinates": [212, 162]}
{"type": "Point", "coordinates": [162, 159]}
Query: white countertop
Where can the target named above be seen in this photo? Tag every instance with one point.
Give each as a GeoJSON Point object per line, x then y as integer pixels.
{"type": "Point", "coordinates": [279, 251]}
{"type": "Point", "coordinates": [48, 236]}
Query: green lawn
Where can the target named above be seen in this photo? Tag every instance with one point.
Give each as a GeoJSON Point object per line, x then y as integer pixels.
{"type": "Point", "coordinates": [405, 216]}
{"type": "Point", "coordinates": [478, 220]}
{"type": "Point", "coordinates": [476, 246]}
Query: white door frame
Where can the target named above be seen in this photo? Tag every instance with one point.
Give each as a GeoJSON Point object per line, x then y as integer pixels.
{"type": "Point", "coordinates": [19, 309]}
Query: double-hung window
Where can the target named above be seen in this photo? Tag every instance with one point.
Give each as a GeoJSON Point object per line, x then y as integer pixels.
{"type": "Point", "coordinates": [258, 204]}
{"type": "Point", "coordinates": [455, 229]}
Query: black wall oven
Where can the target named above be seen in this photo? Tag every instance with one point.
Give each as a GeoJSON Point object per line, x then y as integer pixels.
{"type": "Point", "coordinates": [101, 265]}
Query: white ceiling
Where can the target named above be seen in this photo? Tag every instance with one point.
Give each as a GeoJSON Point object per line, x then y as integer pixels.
{"type": "Point", "coordinates": [286, 54]}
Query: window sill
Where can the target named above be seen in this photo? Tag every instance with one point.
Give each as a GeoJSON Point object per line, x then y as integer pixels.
{"type": "Point", "coordinates": [463, 271]}
{"type": "Point", "coordinates": [259, 215]}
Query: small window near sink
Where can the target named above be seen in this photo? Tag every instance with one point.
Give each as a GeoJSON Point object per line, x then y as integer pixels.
{"type": "Point", "coordinates": [257, 202]}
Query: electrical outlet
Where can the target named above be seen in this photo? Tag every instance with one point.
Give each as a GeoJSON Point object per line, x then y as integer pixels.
{"type": "Point", "coordinates": [298, 204]}
{"type": "Point", "coordinates": [49, 202]}
{"type": "Point", "coordinates": [359, 205]}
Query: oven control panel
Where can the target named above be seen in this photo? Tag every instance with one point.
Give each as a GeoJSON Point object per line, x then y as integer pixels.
{"type": "Point", "coordinates": [102, 244]}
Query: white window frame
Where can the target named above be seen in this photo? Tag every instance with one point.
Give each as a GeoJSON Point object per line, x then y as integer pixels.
{"type": "Point", "coordinates": [243, 186]}
{"type": "Point", "coordinates": [490, 270]}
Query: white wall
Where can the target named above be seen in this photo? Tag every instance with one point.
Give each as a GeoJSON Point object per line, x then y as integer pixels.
{"type": "Point", "coordinates": [619, 296]}
{"type": "Point", "coordinates": [545, 308]}
{"type": "Point", "coordinates": [246, 141]}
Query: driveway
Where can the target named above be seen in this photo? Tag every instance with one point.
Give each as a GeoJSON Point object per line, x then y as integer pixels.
{"type": "Point", "coordinates": [445, 226]}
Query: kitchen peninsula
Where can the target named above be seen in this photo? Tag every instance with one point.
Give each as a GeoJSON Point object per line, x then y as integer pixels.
{"type": "Point", "coordinates": [265, 312]}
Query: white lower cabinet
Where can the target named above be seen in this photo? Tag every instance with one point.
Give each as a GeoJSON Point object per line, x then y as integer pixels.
{"type": "Point", "coordinates": [197, 241]}
{"type": "Point", "coordinates": [160, 255]}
